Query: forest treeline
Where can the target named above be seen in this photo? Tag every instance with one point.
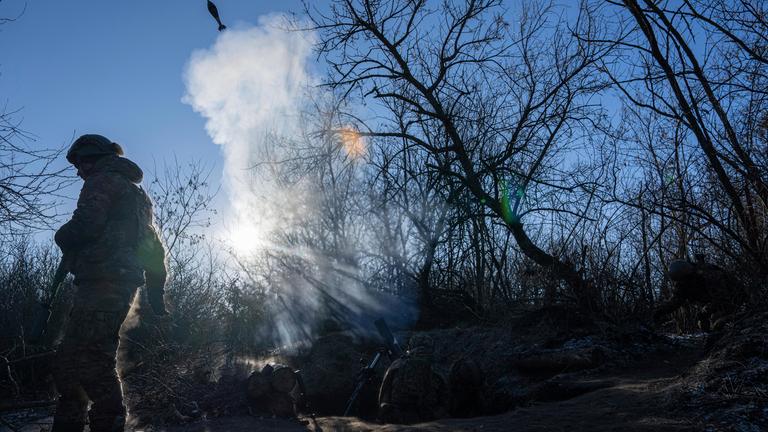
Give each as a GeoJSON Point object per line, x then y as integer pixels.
{"type": "Point", "coordinates": [521, 155]}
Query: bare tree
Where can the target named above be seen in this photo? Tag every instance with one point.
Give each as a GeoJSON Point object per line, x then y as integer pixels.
{"type": "Point", "coordinates": [29, 177]}
{"type": "Point", "coordinates": [414, 209]}
{"type": "Point", "coordinates": [30, 180]}
{"type": "Point", "coordinates": [183, 205]}
{"type": "Point", "coordinates": [715, 91]}
{"type": "Point", "coordinates": [182, 199]}
{"type": "Point", "coordinates": [509, 99]}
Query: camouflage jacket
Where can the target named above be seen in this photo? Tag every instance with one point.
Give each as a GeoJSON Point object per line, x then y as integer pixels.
{"type": "Point", "coordinates": [111, 235]}
{"type": "Point", "coordinates": [408, 382]}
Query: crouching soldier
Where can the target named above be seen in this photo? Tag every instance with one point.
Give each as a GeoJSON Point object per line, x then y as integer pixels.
{"type": "Point", "coordinates": [411, 391]}
{"type": "Point", "coordinates": [465, 385]}
{"type": "Point", "coordinates": [113, 249]}
{"type": "Point", "coordinates": [715, 295]}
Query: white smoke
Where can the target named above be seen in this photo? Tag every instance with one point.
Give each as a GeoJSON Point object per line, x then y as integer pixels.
{"type": "Point", "coordinates": [250, 86]}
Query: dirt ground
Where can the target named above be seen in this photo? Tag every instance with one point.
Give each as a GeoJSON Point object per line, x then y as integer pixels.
{"type": "Point", "coordinates": [639, 396]}
{"type": "Point", "coordinates": [634, 399]}
{"type": "Point", "coordinates": [648, 383]}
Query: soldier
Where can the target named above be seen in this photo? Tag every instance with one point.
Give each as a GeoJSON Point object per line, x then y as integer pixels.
{"type": "Point", "coordinates": [708, 287]}
{"type": "Point", "coordinates": [411, 391]}
{"type": "Point", "coordinates": [465, 385]}
{"type": "Point", "coordinates": [114, 249]}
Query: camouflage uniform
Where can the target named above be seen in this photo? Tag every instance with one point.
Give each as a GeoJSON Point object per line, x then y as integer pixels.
{"type": "Point", "coordinates": [465, 385]}
{"type": "Point", "coordinates": [713, 291]}
{"type": "Point", "coordinates": [411, 391]}
{"type": "Point", "coordinates": [113, 243]}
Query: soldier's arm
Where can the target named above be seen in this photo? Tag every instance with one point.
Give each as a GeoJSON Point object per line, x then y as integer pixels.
{"type": "Point", "coordinates": [90, 216]}
{"type": "Point", "coordinates": [155, 272]}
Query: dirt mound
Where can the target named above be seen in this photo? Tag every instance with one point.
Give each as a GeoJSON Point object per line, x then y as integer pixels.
{"type": "Point", "coordinates": [635, 398]}
{"type": "Point", "coordinates": [728, 390]}
{"type": "Point", "coordinates": [535, 378]}
{"type": "Point", "coordinates": [632, 399]}
{"type": "Point", "coordinates": [519, 366]}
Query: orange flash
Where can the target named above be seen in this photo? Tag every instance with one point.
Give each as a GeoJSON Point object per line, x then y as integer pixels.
{"type": "Point", "coordinates": [353, 143]}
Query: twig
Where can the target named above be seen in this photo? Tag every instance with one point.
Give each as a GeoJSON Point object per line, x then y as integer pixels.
{"type": "Point", "coordinates": [8, 372]}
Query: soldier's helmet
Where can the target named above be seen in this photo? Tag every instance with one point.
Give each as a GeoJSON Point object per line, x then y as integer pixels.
{"type": "Point", "coordinates": [680, 270]}
{"type": "Point", "coordinates": [92, 146]}
{"type": "Point", "coordinates": [421, 344]}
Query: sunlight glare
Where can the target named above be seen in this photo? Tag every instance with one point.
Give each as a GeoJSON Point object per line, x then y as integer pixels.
{"type": "Point", "coordinates": [246, 238]}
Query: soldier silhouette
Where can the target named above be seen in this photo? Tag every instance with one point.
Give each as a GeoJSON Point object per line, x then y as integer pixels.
{"type": "Point", "coordinates": [114, 249]}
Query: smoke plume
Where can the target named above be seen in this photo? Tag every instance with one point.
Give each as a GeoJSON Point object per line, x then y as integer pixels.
{"type": "Point", "coordinates": [252, 87]}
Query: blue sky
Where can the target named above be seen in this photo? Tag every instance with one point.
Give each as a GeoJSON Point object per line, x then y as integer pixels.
{"type": "Point", "coordinates": [115, 68]}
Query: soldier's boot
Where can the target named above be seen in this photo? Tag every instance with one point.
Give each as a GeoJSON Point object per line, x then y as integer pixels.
{"type": "Point", "coordinates": [69, 417]}
{"type": "Point", "coordinates": [72, 406]}
{"type": "Point", "coordinates": [104, 424]}
{"type": "Point", "coordinates": [67, 427]}
{"type": "Point", "coordinates": [106, 419]}
{"type": "Point", "coordinates": [107, 412]}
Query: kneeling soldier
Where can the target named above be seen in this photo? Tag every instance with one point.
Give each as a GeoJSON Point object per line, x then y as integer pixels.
{"type": "Point", "coordinates": [411, 391]}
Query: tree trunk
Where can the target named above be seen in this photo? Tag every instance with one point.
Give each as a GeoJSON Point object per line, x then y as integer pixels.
{"type": "Point", "coordinates": [585, 294]}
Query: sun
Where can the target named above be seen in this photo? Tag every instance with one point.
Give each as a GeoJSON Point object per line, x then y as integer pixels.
{"type": "Point", "coordinates": [246, 238]}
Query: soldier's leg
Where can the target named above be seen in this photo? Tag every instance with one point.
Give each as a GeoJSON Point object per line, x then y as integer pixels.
{"type": "Point", "coordinates": [704, 320]}
{"type": "Point", "coordinates": [72, 405]}
{"type": "Point", "coordinates": [107, 305]}
{"type": "Point", "coordinates": [102, 385]}
{"type": "Point", "coordinates": [107, 412]}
